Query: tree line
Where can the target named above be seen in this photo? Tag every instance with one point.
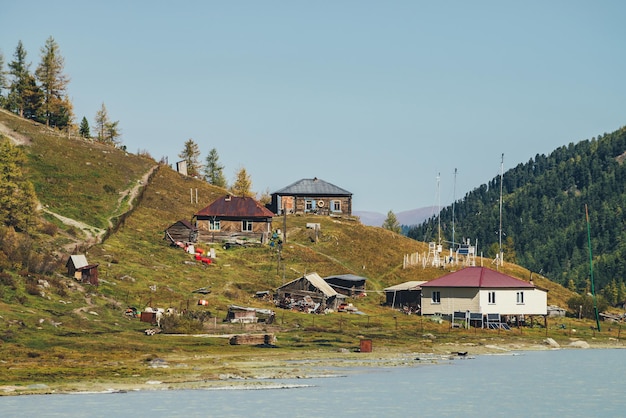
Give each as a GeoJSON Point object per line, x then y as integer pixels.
{"type": "Point", "coordinates": [42, 95]}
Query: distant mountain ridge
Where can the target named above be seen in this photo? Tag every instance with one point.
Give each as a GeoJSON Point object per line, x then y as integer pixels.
{"type": "Point", "coordinates": [408, 217]}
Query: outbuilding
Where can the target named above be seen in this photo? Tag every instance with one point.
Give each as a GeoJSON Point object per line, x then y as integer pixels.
{"type": "Point", "coordinates": [306, 290]}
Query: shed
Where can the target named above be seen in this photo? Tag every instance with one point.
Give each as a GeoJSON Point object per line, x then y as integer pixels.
{"type": "Point", "coordinates": [347, 284]}
{"type": "Point", "coordinates": [247, 315]}
{"type": "Point", "coordinates": [80, 269]}
{"type": "Point", "coordinates": [404, 294]}
{"type": "Point", "coordinates": [309, 287]}
{"type": "Point", "coordinates": [181, 231]}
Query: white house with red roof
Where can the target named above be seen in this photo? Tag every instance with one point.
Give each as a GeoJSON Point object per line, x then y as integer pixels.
{"type": "Point", "coordinates": [485, 291]}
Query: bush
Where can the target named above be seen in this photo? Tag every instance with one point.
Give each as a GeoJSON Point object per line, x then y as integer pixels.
{"type": "Point", "coordinates": [584, 304]}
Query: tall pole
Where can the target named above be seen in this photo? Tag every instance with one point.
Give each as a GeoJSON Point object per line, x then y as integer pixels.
{"type": "Point", "coordinates": [453, 202]}
{"type": "Point", "coordinates": [500, 233]}
{"type": "Point", "coordinates": [438, 211]}
{"type": "Point", "coordinates": [593, 289]}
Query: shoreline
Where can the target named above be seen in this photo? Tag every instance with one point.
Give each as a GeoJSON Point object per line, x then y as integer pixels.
{"type": "Point", "coordinates": [265, 374]}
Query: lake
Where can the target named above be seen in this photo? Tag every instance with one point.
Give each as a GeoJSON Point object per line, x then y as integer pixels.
{"type": "Point", "coordinates": [554, 383]}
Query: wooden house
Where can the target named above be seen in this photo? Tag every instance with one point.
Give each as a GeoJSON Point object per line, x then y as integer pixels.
{"type": "Point", "coordinates": [407, 294]}
{"type": "Point", "coordinates": [478, 290]}
{"type": "Point", "coordinates": [310, 287]}
{"type": "Point", "coordinates": [231, 217]}
{"type": "Point", "coordinates": [80, 269]}
{"type": "Point", "coordinates": [347, 284]}
{"type": "Point", "coordinates": [312, 196]}
{"type": "Point", "coordinates": [181, 231]}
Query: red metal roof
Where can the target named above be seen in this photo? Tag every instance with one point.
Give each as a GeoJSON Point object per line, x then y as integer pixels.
{"type": "Point", "coordinates": [236, 207]}
{"type": "Point", "coordinates": [478, 277]}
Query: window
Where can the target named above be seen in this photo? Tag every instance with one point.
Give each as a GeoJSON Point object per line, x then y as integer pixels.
{"type": "Point", "coordinates": [308, 205]}
{"type": "Point", "coordinates": [335, 205]}
{"type": "Point", "coordinates": [246, 226]}
{"type": "Point", "coordinates": [492, 297]}
{"type": "Point", "coordinates": [214, 225]}
{"type": "Point", "coordinates": [520, 298]}
{"type": "Point", "coordinates": [436, 298]}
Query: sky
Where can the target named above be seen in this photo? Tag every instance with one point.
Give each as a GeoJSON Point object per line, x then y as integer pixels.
{"type": "Point", "coordinates": [385, 99]}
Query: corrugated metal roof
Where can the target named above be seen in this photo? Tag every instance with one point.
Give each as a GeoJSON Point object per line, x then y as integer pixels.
{"type": "Point", "coordinates": [412, 285]}
{"type": "Point", "coordinates": [347, 277]}
{"type": "Point", "coordinates": [236, 207]}
{"type": "Point", "coordinates": [316, 280]}
{"type": "Point", "coordinates": [311, 187]}
{"type": "Point", "coordinates": [478, 277]}
{"type": "Point", "coordinates": [78, 260]}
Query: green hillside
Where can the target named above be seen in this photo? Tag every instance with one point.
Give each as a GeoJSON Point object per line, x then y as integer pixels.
{"type": "Point", "coordinates": [113, 207]}
{"type": "Point", "coordinates": [543, 215]}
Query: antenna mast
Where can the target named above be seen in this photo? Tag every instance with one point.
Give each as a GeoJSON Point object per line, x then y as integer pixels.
{"type": "Point", "coordinates": [500, 255]}
{"type": "Point", "coordinates": [438, 211]}
{"type": "Point", "coordinates": [453, 202]}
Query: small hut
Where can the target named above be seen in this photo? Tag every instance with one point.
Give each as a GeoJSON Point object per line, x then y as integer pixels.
{"type": "Point", "coordinates": [404, 294]}
{"type": "Point", "coordinates": [310, 287]}
{"type": "Point", "coordinates": [80, 269]}
{"type": "Point", "coordinates": [347, 284]}
{"type": "Point", "coordinates": [181, 231]}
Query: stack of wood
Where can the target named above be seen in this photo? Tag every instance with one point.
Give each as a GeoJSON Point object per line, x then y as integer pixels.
{"type": "Point", "coordinates": [252, 339]}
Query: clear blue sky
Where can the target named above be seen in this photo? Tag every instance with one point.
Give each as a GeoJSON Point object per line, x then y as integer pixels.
{"type": "Point", "coordinates": [376, 97]}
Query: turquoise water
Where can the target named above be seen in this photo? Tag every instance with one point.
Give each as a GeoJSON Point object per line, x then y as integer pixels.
{"type": "Point", "coordinates": [560, 383]}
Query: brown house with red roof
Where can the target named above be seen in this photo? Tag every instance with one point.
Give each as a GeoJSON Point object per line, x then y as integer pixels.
{"type": "Point", "coordinates": [483, 291]}
{"type": "Point", "coordinates": [232, 217]}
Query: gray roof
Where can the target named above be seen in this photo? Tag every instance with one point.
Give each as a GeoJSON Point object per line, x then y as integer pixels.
{"type": "Point", "coordinates": [316, 281]}
{"type": "Point", "coordinates": [413, 285]}
{"type": "Point", "coordinates": [312, 187]}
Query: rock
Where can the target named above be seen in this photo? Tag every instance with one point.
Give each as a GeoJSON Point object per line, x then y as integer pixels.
{"type": "Point", "coordinates": [550, 342]}
{"type": "Point", "coordinates": [579, 344]}
{"type": "Point", "coordinates": [429, 336]}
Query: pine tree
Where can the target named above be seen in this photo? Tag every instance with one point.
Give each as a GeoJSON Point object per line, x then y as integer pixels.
{"type": "Point", "coordinates": [3, 79]}
{"type": "Point", "coordinates": [214, 171]}
{"type": "Point", "coordinates": [191, 155]}
{"type": "Point", "coordinates": [18, 202]}
{"type": "Point", "coordinates": [84, 128]}
{"type": "Point", "coordinates": [56, 106]}
{"type": "Point", "coordinates": [19, 70]}
{"type": "Point", "coordinates": [391, 223]}
{"type": "Point", "coordinates": [242, 185]}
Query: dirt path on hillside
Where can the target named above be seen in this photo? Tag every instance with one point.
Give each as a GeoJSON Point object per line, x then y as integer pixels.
{"type": "Point", "coordinates": [15, 137]}
{"type": "Point", "coordinates": [92, 234]}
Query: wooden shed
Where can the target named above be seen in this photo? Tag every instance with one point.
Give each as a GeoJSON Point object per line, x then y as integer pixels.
{"type": "Point", "coordinates": [80, 269]}
{"type": "Point", "coordinates": [181, 231]}
{"type": "Point", "coordinates": [404, 294]}
{"type": "Point", "coordinates": [347, 284]}
{"type": "Point", "coordinates": [310, 287]}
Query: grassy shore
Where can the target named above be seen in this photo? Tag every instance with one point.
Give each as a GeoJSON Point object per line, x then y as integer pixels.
{"type": "Point", "coordinates": [131, 360]}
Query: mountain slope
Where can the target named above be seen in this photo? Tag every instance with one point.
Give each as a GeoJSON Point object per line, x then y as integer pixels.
{"type": "Point", "coordinates": [543, 213]}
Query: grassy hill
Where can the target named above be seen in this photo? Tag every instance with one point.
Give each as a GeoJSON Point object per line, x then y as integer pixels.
{"type": "Point", "coordinates": [56, 330]}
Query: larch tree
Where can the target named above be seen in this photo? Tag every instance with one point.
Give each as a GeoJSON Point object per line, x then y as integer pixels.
{"type": "Point", "coordinates": [214, 171]}
{"type": "Point", "coordinates": [107, 131]}
{"type": "Point", "coordinates": [391, 223]}
{"type": "Point", "coordinates": [191, 155]}
{"type": "Point", "coordinates": [18, 202]}
{"type": "Point", "coordinates": [57, 109]}
{"type": "Point", "coordinates": [242, 186]}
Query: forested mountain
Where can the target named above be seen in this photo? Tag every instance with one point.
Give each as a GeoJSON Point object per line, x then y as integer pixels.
{"type": "Point", "coordinates": [544, 226]}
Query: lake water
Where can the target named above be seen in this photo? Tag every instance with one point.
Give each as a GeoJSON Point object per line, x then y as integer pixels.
{"type": "Point", "coordinates": [558, 383]}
